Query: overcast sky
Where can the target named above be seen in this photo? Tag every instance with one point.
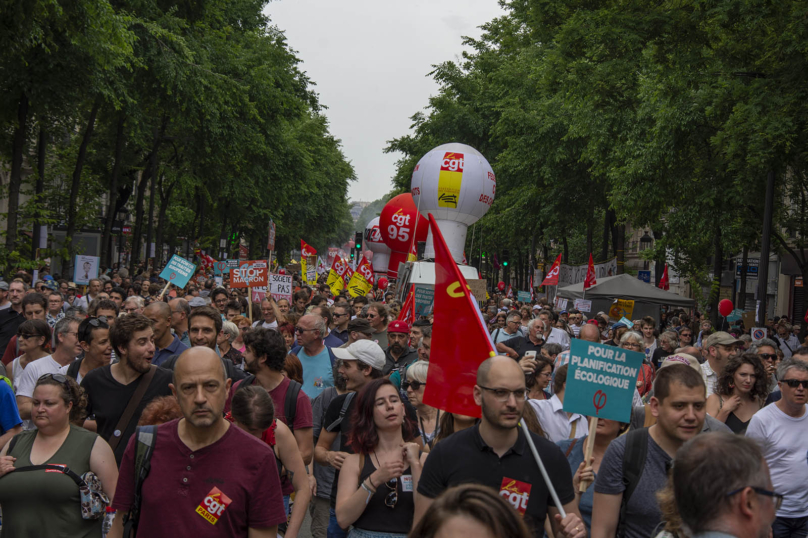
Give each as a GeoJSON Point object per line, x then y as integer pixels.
{"type": "Point", "coordinates": [369, 60]}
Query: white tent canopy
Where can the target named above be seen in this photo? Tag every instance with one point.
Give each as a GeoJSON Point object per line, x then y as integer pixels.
{"type": "Point", "coordinates": [625, 287]}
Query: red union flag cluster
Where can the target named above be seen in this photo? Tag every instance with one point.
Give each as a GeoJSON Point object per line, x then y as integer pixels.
{"type": "Point", "coordinates": [337, 275]}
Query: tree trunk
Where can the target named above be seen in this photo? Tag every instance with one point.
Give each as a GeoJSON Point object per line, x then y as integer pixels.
{"type": "Point", "coordinates": [15, 180]}
{"type": "Point", "coordinates": [566, 249]}
{"type": "Point", "coordinates": [106, 239]}
{"type": "Point", "coordinates": [715, 287]}
{"type": "Point", "coordinates": [607, 232]}
{"type": "Point", "coordinates": [201, 216]}
{"type": "Point", "coordinates": [223, 233]}
{"type": "Point", "coordinates": [590, 230]}
{"type": "Point", "coordinates": [659, 263]}
{"type": "Point", "coordinates": [620, 248]}
{"type": "Point", "coordinates": [137, 233]}
{"type": "Point", "coordinates": [742, 293]}
{"type": "Point", "coordinates": [161, 221]}
{"type": "Point", "coordinates": [41, 152]}
{"type": "Point", "coordinates": [72, 212]}
{"type": "Point", "coordinates": [150, 221]}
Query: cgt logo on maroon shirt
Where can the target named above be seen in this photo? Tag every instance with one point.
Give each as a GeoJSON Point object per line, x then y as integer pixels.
{"type": "Point", "coordinates": [515, 492]}
{"type": "Point", "coordinates": [213, 506]}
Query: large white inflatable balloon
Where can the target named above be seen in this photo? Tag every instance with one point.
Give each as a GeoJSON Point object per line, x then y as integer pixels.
{"type": "Point", "coordinates": [374, 243]}
{"type": "Point", "coordinates": [454, 183]}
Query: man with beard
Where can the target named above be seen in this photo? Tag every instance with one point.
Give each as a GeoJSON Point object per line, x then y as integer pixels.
{"type": "Point", "coordinates": [204, 471]}
{"type": "Point", "coordinates": [205, 325]}
{"type": "Point", "coordinates": [495, 453]}
{"type": "Point", "coordinates": [110, 388]}
{"type": "Point", "coordinates": [264, 356]}
{"type": "Point", "coordinates": [399, 354]}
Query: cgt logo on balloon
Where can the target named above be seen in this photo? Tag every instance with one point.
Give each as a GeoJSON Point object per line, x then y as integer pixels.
{"type": "Point", "coordinates": [450, 179]}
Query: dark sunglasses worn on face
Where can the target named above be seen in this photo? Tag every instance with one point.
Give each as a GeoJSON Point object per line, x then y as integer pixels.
{"type": "Point", "coordinates": [416, 385]}
{"type": "Point", "coordinates": [794, 383]}
{"type": "Point", "coordinates": [768, 356]}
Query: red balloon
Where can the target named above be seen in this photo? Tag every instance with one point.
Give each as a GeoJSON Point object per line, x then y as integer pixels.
{"type": "Point", "coordinates": [397, 224]}
{"type": "Point", "coordinates": [501, 286]}
{"type": "Point", "coordinates": [725, 307]}
{"type": "Point", "coordinates": [383, 283]}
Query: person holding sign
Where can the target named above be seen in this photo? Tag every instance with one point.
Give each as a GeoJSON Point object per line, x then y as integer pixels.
{"type": "Point", "coordinates": [635, 466]}
{"type": "Point", "coordinates": [495, 453]}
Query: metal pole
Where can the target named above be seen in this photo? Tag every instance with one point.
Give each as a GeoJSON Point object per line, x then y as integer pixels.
{"type": "Point", "coordinates": [544, 474]}
{"type": "Point", "coordinates": [765, 246]}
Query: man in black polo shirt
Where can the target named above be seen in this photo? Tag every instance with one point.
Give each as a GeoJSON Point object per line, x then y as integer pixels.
{"type": "Point", "coordinates": [518, 346]}
{"type": "Point", "coordinates": [495, 453]}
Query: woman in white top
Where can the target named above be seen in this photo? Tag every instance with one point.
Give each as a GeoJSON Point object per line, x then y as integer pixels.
{"type": "Point", "coordinates": [33, 340]}
{"type": "Point", "coordinates": [428, 417]}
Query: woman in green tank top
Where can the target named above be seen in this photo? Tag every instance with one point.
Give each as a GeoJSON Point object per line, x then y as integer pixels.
{"type": "Point", "coordinates": [43, 503]}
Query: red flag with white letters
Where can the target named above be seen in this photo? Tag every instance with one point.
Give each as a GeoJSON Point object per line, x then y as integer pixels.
{"type": "Point", "coordinates": [551, 279]}
{"type": "Point", "coordinates": [590, 275]}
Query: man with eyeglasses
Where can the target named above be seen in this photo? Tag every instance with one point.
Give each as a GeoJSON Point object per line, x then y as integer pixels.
{"type": "Point", "coordinates": [782, 429]}
{"type": "Point", "coordinates": [495, 453]}
{"type": "Point", "coordinates": [316, 358]}
{"type": "Point", "coordinates": [341, 316]}
{"type": "Point", "coordinates": [512, 329]}
{"type": "Point", "coordinates": [576, 321]}
{"type": "Point", "coordinates": [219, 298]}
{"type": "Point", "coordinates": [718, 348]}
{"type": "Point", "coordinates": [55, 308]}
{"type": "Point", "coordinates": [65, 335]}
{"type": "Point", "coordinates": [133, 305]}
{"type": "Point", "coordinates": [180, 310]}
{"type": "Point", "coordinates": [93, 334]}
{"type": "Point", "coordinates": [728, 496]}
{"type": "Point", "coordinates": [268, 311]}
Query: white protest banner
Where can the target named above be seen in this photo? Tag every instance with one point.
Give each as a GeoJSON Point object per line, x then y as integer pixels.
{"type": "Point", "coordinates": [560, 304]}
{"type": "Point", "coordinates": [569, 274]}
{"type": "Point", "coordinates": [280, 287]}
{"type": "Point", "coordinates": [583, 305]}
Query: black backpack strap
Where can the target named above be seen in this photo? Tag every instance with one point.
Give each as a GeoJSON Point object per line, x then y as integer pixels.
{"type": "Point", "coordinates": [146, 437]}
{"type": "Point", "coordinates": [246, 382]}
{"type": "Point", "coordinates": [290, 403]}
{"type": "Point", "coordinates": [11, 444]}
{"type": "Point", "coordinates": [73, 369]}
{"type": "Point", "coordinates": [633, 465]}
{"type": "Point", "coordinates": [333, 426]}
{"type": "Point", "coordinates": [49, 467]}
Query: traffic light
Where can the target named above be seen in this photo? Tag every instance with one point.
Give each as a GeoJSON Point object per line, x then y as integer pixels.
{"type": "Point", "coordinates": [505, 258]}
{"type": "Point", "coordinates": [358, 241]}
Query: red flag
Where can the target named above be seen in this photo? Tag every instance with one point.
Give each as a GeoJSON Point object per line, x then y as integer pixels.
{"type": "Point", "coordinates": [306, 250]}
{"type": "Point", "coordinates": [510, 291]}
{"type": "Point", "coordinates": [663, 282]}
{"type": "Point", "coordinates": [407, 313]}
{"type": "Point", "coordinates": [532, 289]}
{"type": "Point", "coordinates": [590, 275]}
{"type": "Point", "coordinates": [552, 275]}
{"type": "Point", "coordinates": [456, 354]}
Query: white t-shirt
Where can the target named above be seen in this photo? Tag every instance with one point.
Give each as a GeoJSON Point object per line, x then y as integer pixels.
{"type": "Point", "coordinates": [32, 372]}
{"type": "Point", "coordinates": [265, 325]}
{"type": "Point", "coordinates": [784, 442]}
{"type": "Point", "coordinates": [560, 337]}
{"type": "Point", "coordinates": [63, 371]}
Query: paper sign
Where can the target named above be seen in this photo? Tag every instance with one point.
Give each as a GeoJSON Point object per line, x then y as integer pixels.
{"type": "Point", "coordinates": [280, 287]}
{"type": "Point", "coordinates": [583, 305]}
{"type": "Point", "coordinates": [223, 268]}
{"type": "Point", "coordinates": [424, 298]}
{"type": "Point", "coordinates": [308, 269]}
{"type": "Point", "coordinates": [601, 380]}
{"type": "Point", "coordinates": [622, 308]}
{"type": "Point", "coordinates": [523, 296]}
{"type": "Point", "coordinates": [178, 271]}
{"type": "Point", "coordinates": [560, 304]}
{"type": "Point", "coordinates": [627, 322]}
{"type": "Point", "coordinates": [85, 269]}
{"type": "Point", "coordinates": [758, 333]}
{"type": "Point", "coordinates": [249, 274]}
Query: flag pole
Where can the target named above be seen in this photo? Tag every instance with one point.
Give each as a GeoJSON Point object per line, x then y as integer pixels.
{"type": "Point", "coordinates": [544, 474]}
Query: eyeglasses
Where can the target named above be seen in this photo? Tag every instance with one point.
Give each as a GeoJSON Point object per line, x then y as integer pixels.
{"type": "Point", "coordinates": [777, 497]}
{"type": "Point", "coordinates": [372, 316]}
{"type": "Point", "coordinates": [768, 356]}
{"type": "Point", "coordinates": [302, 330]}
{"type": "Point", "coordinates": [629, 345]}
{"type": "Point", "coordinates": [416, 385]}
{"type": "Point", "coordinates": [503, 395]}
{"type": "Point", "coordinates": [392, 497]}
{"type": "Point", "coordinates": [794, 383]}
{"type": "Point", "coordinates": [23, 336]}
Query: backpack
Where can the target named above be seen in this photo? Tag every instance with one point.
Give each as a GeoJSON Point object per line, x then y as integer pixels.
{"type": "Point", "coordinates": [144, 448]}
{"type": "Point", "coordinates": [73, 369]}
{"type": "Point", "coordinates": [633, 466]}
{"type": "Point", "coordinates": [331, 356]}
{"type": "Point", "coordinates": [289, 403]}
{"type": "Point", "coordinates": [334, 425]}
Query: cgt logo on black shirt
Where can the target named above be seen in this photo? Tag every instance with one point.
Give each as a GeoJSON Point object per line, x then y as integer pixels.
{"type": "Point", "coordinates": [515, 492]}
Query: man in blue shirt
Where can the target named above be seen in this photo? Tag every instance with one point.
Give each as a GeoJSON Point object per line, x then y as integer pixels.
{"type": "Point", "coordinates": [165, 342]}
{"type": "Point", "coordinates": [314, 355]}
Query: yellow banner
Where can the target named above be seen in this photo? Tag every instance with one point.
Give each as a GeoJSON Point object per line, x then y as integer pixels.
{"type": "Point", "coordinates": [359, 285]}
{"type": "Point", "coordinates": [335, 282]}
{"type": "Point", "coordinates": [622, 308]}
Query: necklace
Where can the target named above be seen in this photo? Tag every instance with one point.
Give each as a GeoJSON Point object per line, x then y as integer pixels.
{"type": "Point", "coordinates": [392, 497]}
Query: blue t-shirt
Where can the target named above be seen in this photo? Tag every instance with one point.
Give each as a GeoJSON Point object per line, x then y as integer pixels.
{"type": "Point", "coordinates": [575, 457]}
{"type": "Point", "coordinates": [317, 373]}
{"type": "Point", "coordinates": [9, 414]}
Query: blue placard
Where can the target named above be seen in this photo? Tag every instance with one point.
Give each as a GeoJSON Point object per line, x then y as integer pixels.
{"type": "Point", "coordinates": [645, 276]}
{"type": "Point", "coordinates": [523, 296]}
{"type": "Point", "coordinates": [424, 297]}
{"type": "Point", "coordinates": [601, 380]}
{"type": "Point", "coordinates": [178, 271]}
{"type": "Point", "coordinates": [223, 268]}
{"type": "Point", "coordinates": [735, 315]}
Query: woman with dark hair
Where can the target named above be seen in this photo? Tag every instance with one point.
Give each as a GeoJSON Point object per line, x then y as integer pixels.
{"type": "Point", "coordinates": [574, 449]}
{"type": "Point", "coordinates": [539, 379]}
{"type": "Point", "coordinates": [376, 484]}
{"type": "Point", "coordinates": [43, 502]}
{"type": "Point", "coordinates": [740, 392]}
{"type": "Point", "coordinates": [451, 423]}
{"type": "Point", "coordinates": [253, 411]}
{"type": "Point", "coordinates": [471, 510]}
{"type": "Point", "coordinates": [33, 339]}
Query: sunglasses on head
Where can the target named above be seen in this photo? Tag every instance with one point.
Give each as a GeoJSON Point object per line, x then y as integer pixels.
{"type": "Point", "coordinates": [416, 385]}
{"type": "Point", "coordinates": [59, 378]}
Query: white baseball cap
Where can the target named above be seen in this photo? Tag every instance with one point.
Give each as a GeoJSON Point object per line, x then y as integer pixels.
{"type": "Point", "coordinates": [365, 351]}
